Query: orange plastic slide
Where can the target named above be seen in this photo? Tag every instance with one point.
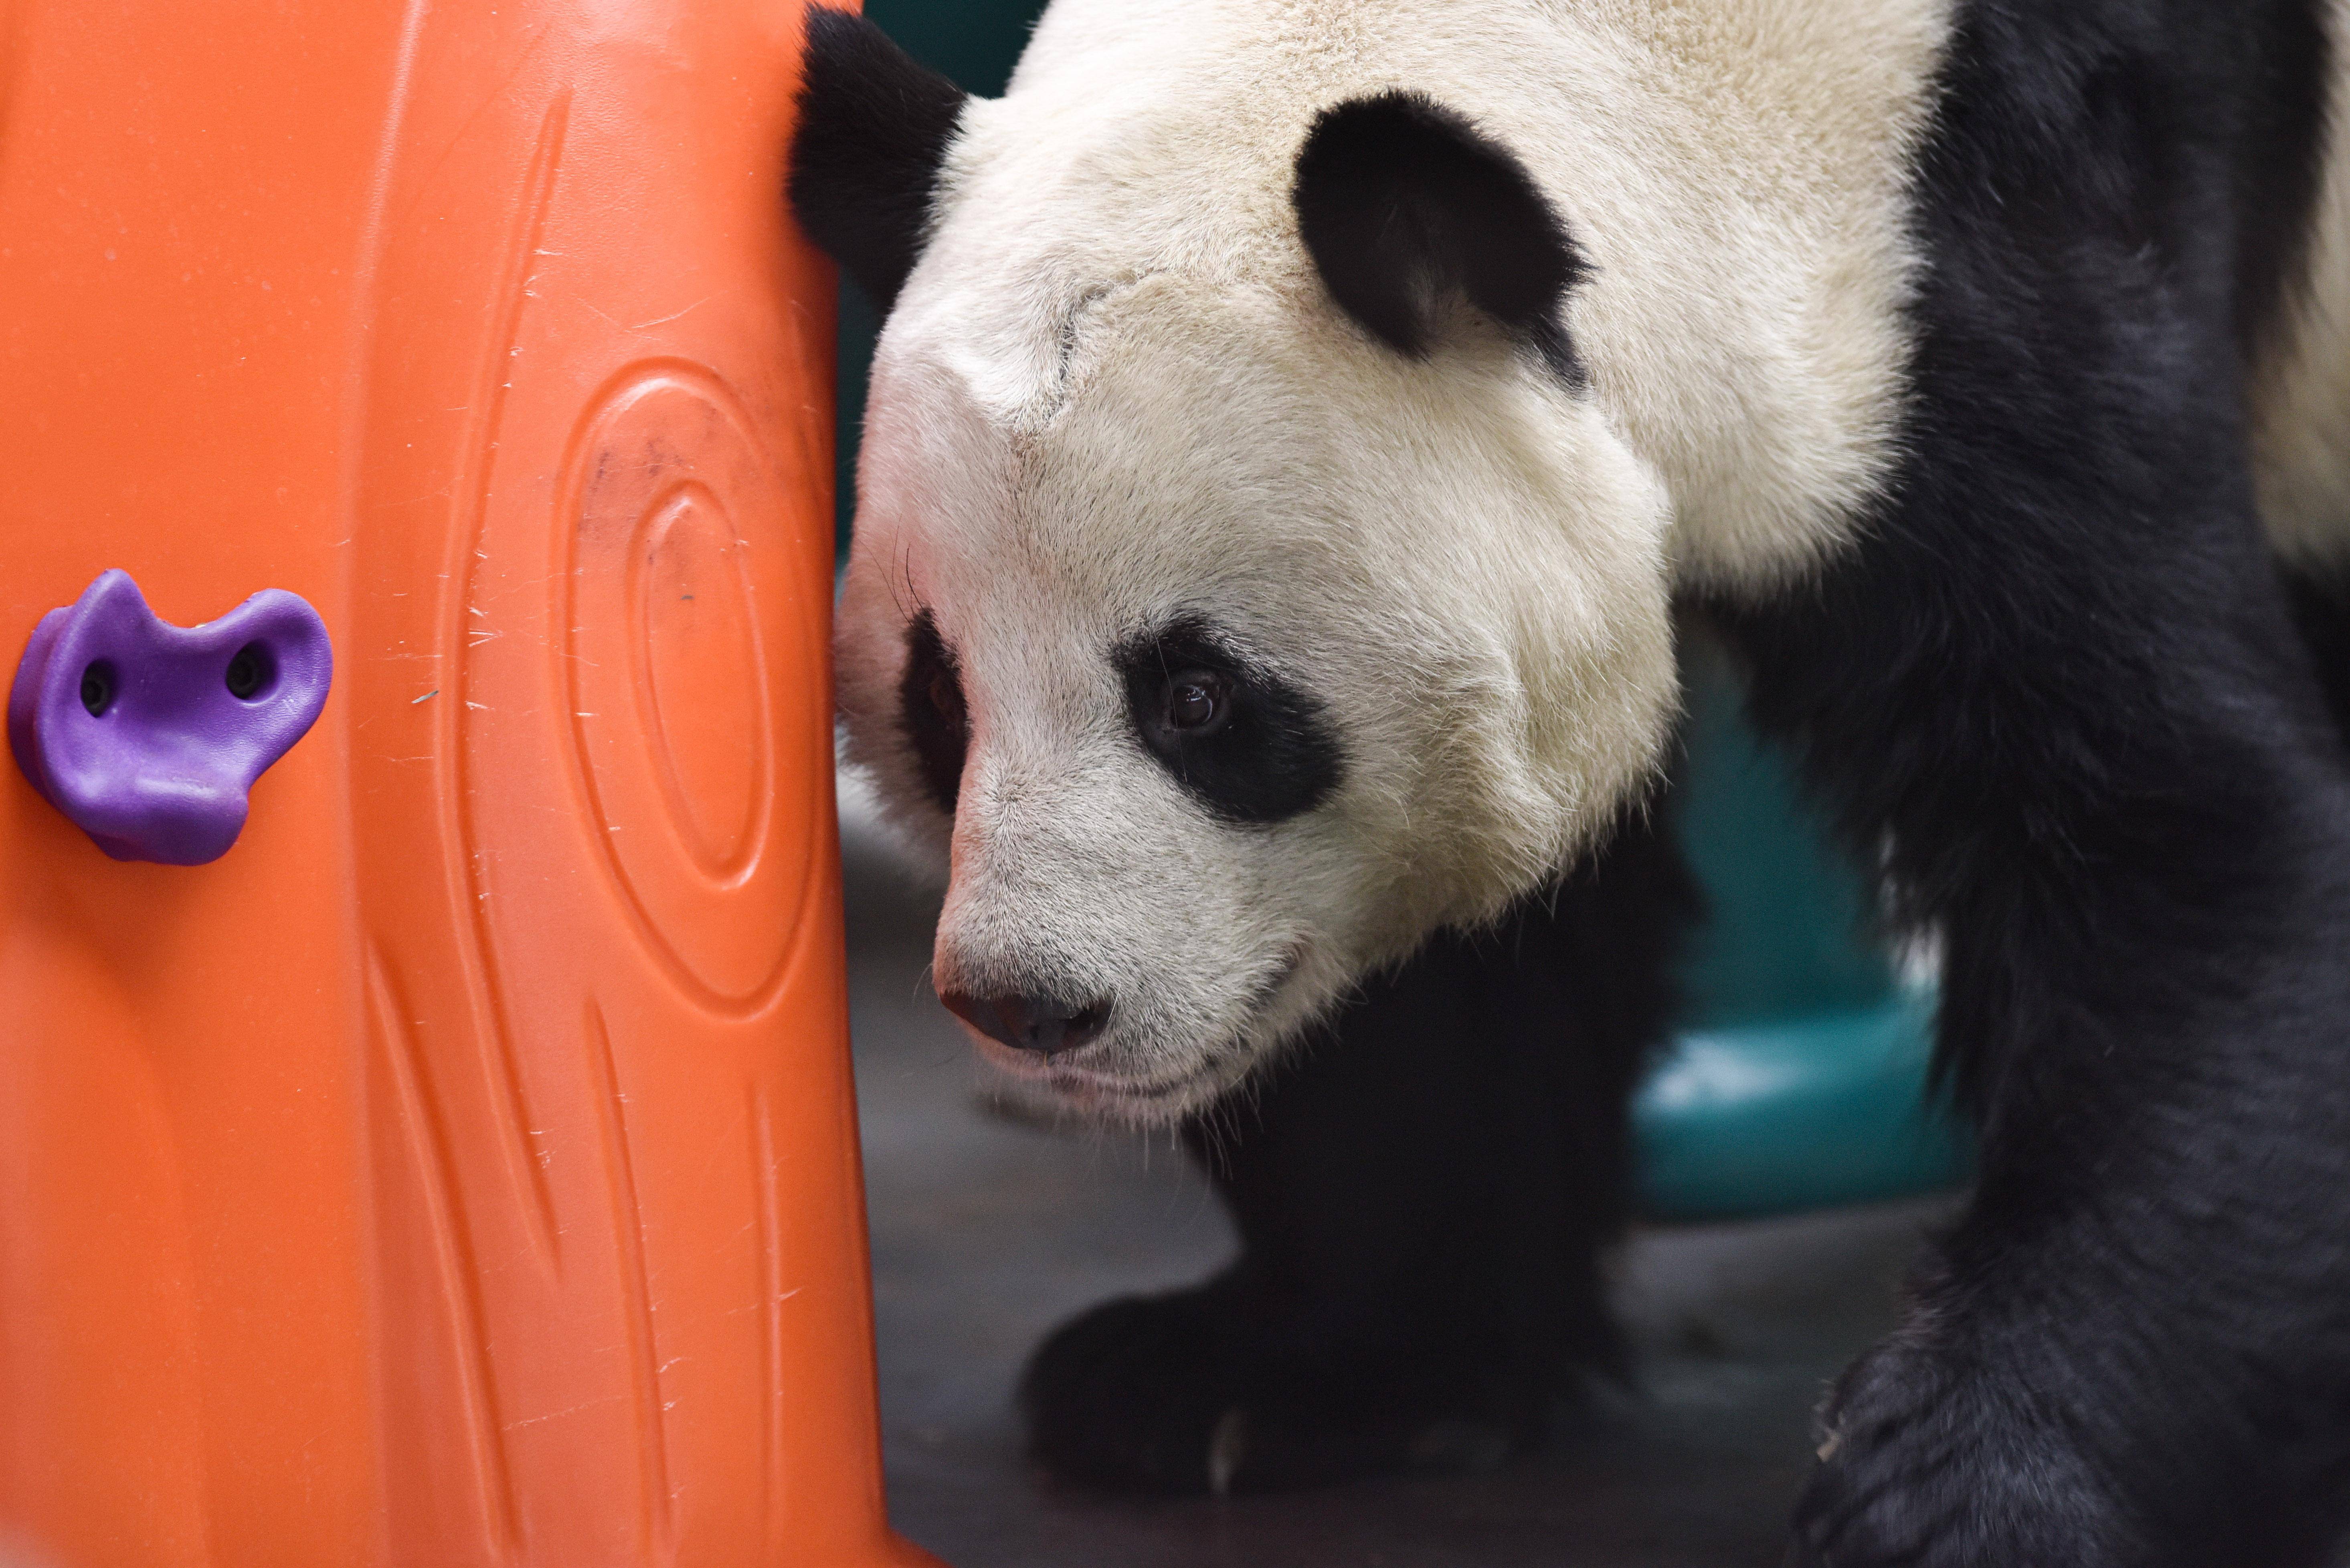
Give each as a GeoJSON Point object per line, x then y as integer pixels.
{"type": "Point", "coordinates": [463, 1168]}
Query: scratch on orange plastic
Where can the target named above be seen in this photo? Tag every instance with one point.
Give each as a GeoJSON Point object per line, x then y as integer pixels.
{"type": "Point", "coordinates": [463, 1170]}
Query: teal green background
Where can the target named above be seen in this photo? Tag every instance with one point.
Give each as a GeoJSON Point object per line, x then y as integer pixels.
{"type": "Point", "coordinates": [1800, 1078]}
{"type": "Point", "coordinates": [1801, 1075]}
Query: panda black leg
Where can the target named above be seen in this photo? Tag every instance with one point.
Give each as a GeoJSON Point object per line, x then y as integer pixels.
{"type": "Point", "coordinates": [1423, 1194]}
{"type": "Point", "coordinates": [2057, 690]}
{"type": "Point", "coordinates": [2132, 1350]}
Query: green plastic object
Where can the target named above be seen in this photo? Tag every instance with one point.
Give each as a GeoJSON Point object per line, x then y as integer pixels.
{"type": "Point", "coordinates": [1801, 1077]}
{"type": "Point", "coordinates": [1775, 1119]}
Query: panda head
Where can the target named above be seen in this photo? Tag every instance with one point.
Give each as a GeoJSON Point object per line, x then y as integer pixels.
{"type": "Point", "coordinates": [1244, 585]}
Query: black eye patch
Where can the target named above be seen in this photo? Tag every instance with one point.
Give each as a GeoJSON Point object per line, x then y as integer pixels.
{"type": "Point", "coordinates": [930, 706]}
{"type": "Point", "coordinates": [1248, 745]}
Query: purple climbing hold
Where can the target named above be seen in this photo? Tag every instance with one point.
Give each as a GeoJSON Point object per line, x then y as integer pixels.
{"type": "Point", "coordinates": [149, 735]}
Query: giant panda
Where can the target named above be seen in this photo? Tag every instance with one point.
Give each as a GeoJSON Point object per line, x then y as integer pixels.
{"type": "Point", "coordinates": [1296, 428]}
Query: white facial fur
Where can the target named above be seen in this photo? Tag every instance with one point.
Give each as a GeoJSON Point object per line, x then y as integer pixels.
{"type": "Point", "coordinates": [1471, 583]}
{"type": "Point", "coordinates": [1115, 393]}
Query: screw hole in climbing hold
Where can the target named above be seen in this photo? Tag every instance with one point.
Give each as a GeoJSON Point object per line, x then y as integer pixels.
{"type": "Point", "coordinates": [251, 673]}
{"type": "Point", "coordinates": [97, 687]}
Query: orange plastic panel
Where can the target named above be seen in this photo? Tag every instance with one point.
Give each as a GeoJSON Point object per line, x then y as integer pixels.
{"type": "Point", "coordinates": [464, 1170]}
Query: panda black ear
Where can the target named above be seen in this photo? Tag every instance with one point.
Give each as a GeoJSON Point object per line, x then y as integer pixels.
{"type": "Point", "coordinates": [1408, 209]}
{"type": "Point", "coordinates": [873, 130]}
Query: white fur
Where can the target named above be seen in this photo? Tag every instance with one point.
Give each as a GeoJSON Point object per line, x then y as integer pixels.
{"type": "Point", "coordinates": [1114, 392]}
{"type": "Point", "coordinates": [2301, 432]}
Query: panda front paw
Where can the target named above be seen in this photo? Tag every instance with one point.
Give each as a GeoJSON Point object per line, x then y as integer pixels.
{"type": "Point", "coordinates": [1195, 1393]}
{"type": "Point", "coordinates": [1929, 1461]}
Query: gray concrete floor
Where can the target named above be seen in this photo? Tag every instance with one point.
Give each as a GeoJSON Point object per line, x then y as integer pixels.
{"type": "Point", "coordinates": [988, 1230]}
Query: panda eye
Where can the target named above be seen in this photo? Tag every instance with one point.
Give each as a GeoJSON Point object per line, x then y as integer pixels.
{"type": "Point", "coordinates": [1198, 701]}
{"type": "Point", "coordinates": [1243, 740]}
{"type": "Point", "coordinates": [931, 707]}
{"type": "Point", "coordinates": [946, 696]}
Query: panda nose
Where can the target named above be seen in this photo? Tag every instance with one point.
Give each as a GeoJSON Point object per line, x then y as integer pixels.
{"type": "Point", "coordinates": [1038, 1023]}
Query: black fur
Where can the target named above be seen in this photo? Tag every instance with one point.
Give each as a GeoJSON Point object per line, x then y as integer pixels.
{"type": "Point", "coordinates": [930, 706]}
{"type": "Point", "coordinates": [2320, 608]}
{"type": "Point", "coordinates": [2279, 160]}
{"type": "Point", "coordinates": [1270, 754]}
{"type": "Point", "coordinates": [2057, 685]}
{"type": "Point", "coordinates": [873, 130]}
{"type": "Point", "coordinates": [1422, 1194]}
{"type": "Point", "coordinates": [1408, 209]}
